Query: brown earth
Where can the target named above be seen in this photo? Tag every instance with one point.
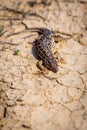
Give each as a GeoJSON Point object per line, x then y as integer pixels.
{"type": "Point", "coordinates": [29, 99]}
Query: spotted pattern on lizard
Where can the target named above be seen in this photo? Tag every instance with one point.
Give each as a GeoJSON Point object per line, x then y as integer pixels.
{"type": "Point", "coordinates": [43, 47]}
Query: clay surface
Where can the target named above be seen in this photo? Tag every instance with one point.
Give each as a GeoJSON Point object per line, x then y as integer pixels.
{"type": "Point", "coordinates": [31, 99]}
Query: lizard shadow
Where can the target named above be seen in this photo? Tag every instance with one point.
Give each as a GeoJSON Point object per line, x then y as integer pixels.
{"type": "Point", "coordinates": [34, 50]}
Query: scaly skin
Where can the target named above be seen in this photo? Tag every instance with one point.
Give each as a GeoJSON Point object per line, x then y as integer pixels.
{"type": "Point", "coordinates": [43, 46]}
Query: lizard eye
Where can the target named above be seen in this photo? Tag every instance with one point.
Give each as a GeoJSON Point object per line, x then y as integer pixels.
{"type": "Point", "coordinates": [50, 38]}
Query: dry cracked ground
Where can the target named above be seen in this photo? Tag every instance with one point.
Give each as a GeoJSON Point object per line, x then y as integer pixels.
{"type": "Point", "coordinates": [35, 99]}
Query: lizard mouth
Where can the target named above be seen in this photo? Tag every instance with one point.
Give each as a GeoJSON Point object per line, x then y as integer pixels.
{"type": "Point", "coordinates": [55, 70]}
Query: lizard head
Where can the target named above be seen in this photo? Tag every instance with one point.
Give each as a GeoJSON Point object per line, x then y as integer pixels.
{"type": "Point", "coordinates": [52, 65]}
